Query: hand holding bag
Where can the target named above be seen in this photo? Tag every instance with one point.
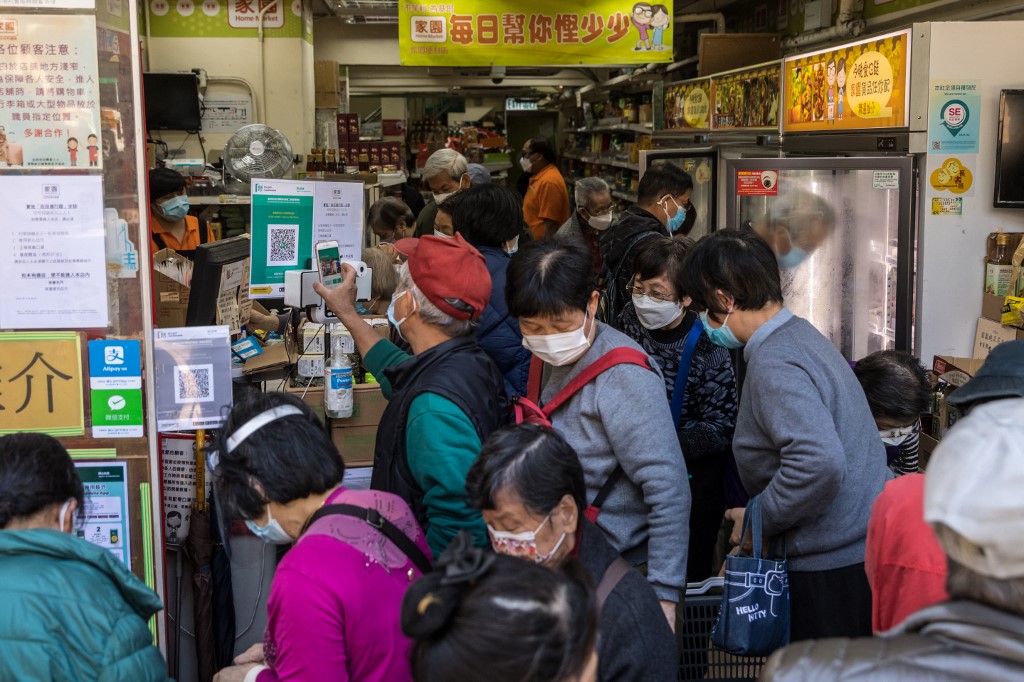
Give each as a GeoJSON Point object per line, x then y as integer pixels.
{"type": "Point", "coordinates": [754, 618]}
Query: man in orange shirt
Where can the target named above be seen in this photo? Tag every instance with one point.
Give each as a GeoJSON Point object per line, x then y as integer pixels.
{"type": "Point", "coordinates": [171, 227]}
{"type": "Point", "coordinates": [546, 205]}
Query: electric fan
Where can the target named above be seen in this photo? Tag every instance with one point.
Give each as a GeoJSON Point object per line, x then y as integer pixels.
{"type": "Point", "coordinates": [256, 151]}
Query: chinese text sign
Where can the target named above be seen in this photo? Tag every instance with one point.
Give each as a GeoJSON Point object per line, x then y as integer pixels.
{"type": "Point", "coordinates": [41, 383]}
{"type": "Point", "coordinates": [530, 32]}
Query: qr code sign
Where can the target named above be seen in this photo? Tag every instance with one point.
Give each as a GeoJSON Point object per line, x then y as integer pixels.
{"type": "Point", "coordinates": [283, 245]}
{"type": "Point", "coordinates": [193, 384]}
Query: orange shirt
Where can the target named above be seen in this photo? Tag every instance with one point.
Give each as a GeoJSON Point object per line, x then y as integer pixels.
{"type": "Point", "coordinates": [546, 199]}
{"type": "Point", "coordinates": [190, 240]}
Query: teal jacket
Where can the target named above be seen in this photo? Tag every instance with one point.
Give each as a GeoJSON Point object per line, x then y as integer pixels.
{"type": "Point", "coordinates": [70, 611]}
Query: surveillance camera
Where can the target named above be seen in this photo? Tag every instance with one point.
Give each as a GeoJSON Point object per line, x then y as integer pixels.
{"type": "Point", "coordinates": [497, 74]}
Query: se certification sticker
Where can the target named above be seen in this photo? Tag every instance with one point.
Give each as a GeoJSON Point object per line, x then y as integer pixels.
{"type": "Point", "coordinates": [954, 117]}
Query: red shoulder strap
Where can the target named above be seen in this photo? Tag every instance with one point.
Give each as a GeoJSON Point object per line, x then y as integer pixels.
{"type": "Point", "coordinates": [616, 356]}
{"type": "Point", "coordinates": [533, 380]}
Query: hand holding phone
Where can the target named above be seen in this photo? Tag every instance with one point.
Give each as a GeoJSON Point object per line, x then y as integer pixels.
{"type": "Point", "coordinates": [328, 263]}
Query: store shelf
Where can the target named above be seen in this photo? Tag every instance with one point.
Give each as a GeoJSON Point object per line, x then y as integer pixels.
{"type": "Point", "coordinates": [625, 196]}
{"type": "Point", "coordinates": [221, 200]}
{"type": "Point", "coordinates": [601, 161]}
{"type": "Point", "coordinates": [639, 128]}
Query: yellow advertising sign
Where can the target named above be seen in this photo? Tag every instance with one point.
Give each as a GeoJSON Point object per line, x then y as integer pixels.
{"type": "Point", "coordinates": [747, 99]}
{"type": "Point", "coordinates": [534, 32]}
{"type": "Point", "coordinates": [688, 105]}
{"type": "Point", "coordinates": [852, 87]}
{"type": "Point", "coordinates": [41, 383]}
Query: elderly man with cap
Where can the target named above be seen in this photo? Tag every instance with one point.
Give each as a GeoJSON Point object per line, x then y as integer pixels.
{"type": "Point", "coordinates": [446, 398]}
{"type": "Point", "coordinates": [974, 504]}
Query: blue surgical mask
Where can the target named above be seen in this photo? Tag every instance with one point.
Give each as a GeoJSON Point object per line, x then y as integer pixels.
{"type": "Point", "coordinates": [175, 208]}
{"type": "Point", "coordinates": [363, 310]}
{"type": "Point", "coordinates": [793, 258]}
{"type": "Point", "coordinates": [397, 324]}
{"type": "Point", "coordinates": [675, 223]}
{"type": "Point", "coordinates": [720, 336]}
{"type": "Point", "coordinates": [271, 533]}
{"type": "Point", "coordinates": [511, 250]}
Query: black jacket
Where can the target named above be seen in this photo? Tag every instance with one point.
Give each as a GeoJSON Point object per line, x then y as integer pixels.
{"type": "Point", "coordinates": [635, 641]}
{"type": "Point", "coordinates": [457, 370]}
{"type": "Point", "coordinates": [956, 641]}
{"type": "Point", "coordinates": [619, 246]}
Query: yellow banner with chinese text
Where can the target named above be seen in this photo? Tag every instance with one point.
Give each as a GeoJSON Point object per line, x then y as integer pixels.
{"type": "Point", "coordinates": [531, 32]}
{"type": "Point", "coordinates": [852, 87]}
{"type": "Point", "coordinates": [41, 383]}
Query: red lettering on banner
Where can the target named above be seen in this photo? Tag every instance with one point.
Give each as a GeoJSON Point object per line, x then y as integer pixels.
{"type": "Point", "coordinates": [567, 28]}
{"type": "Point", "coordinates": [244, 7]}
{"type": "Point", "coordinates": [540, 29]}
{"type": "Point", "coordinates": [618, 24]}
{"type": "Point", "coordinates": [462, 29]}
{"type": "Point", "coordinates": [593, 27]}
{"type": "Point", "coordinates": [514, 26]}
{"type": "Point", "coordinates": [487, 29]}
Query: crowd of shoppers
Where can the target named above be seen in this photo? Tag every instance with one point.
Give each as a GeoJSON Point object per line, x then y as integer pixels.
{"type": "Point", "coordinates": [553, 463]}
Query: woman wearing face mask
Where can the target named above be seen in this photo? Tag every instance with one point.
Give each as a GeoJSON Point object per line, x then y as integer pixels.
{"type": "Point", "coordinates": [699, 382]}
{"type": "Point", "coordinates": [489, 218]}
{"type": "Point", "coordinates": [805, 439]}
{"type": "Point", "coordinates": [69, 610]}
{"type": "Point", "coordinates": [528, 484]}
{"type": "Point", "coordinates": [171, 226]}
{"type": "Point", "coordinates": [335, 602]}
{"type": "Point", "coordinates": [443, 226]}
{"type": "Point", "coordinates": [390, 220]}
{"type": "Point", "coordinates": [383, 282]}
{"type": "Point", "coordinates": [624, 437]}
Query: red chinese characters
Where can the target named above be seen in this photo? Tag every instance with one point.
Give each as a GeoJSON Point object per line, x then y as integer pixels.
{"type": "Point", "coordinates": [514, 26]}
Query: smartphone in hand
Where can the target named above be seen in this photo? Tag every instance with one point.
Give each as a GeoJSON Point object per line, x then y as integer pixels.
{"type": "Point", "coordinates": [328, 263]}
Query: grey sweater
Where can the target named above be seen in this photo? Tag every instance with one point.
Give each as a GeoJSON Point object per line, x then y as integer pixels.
{"type": "Point", "coordinates": [806, 442]}
{"type": "Point", "coordinates": [622, 417]}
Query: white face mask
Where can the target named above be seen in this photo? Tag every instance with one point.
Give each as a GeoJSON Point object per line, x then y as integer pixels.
{"type": "Point", "coordinates": [522, 545]}
{"type": "Point", "coordinates": [655, 314]}
{"type": "Point", "coordinates": [562, 349]}
{"type": "Point", "coordinates": [600, 222]}
{"type": "Point", "coordinates": [899, 436]}
{"type": "Point", "coordinates": [439, 198]}
{"type": "Point", "coordinates": [63, 515]}
{"type": "Point", "coordinates": [439, 233]}
{"type": "Point", "coordinates": [525, 164]}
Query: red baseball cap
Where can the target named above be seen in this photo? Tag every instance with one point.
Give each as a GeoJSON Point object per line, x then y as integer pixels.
{"type": "Point", "coordinates": [448, 267]}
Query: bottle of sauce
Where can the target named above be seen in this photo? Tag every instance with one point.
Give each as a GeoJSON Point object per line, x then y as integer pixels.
{"type": "Point", "coordinates": [332, 162]}
{"type": "Point", "coordinates": [998, 267]}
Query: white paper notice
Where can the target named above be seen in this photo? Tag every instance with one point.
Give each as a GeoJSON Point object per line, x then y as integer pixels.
{"type": "Point", "coordinates": [338, 215]}
{"type": "Point", "coordinates": [179, 465]}
{"type": "Point", "coordinates": [225, 113]}
{"type": "Point", "coordinates": [52, 258]}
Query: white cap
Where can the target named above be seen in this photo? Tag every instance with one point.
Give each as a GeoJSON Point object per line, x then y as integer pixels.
{"type": "Point", "coordinates": [975, 486]}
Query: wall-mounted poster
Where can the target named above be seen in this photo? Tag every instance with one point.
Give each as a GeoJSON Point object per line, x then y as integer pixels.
{"type": "Point", "coordinates": [49, 92]}
{"type": "Point", "coordinates": [106, 522]}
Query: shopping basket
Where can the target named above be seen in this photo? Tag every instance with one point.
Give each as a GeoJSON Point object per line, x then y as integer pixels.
{"type": "Point", "coordinates": [699, 660]}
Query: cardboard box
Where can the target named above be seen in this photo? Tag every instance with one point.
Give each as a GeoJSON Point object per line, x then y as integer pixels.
{"type": "Point", "coordinates": [314, 396]}
{"type": "Point", "coordinates": [325, 77]}
{"type": "Point", "coordinates": [367, 407]}
{"type": "Point", "coordinates": [718, 52]}
{"type": "Point", "coordinates": [311, 365]}
{"type": "Point", "coordinates": [926, 448]}
{"type": "Point", "coordinates": [954, 372]}
{"type": "Point", "coordinates": [355, 443]}
{"type": "Point", "coordinates": [170, 296]}
{"type": "Point", "coordinates": [311, 339]}
{"type": "Point", "coordinates": [990, 334]}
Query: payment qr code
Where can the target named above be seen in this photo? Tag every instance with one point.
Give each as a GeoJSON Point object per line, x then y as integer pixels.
{"type": "Point", "coordinates": [283, 245]}
{"type": "Point", "coordinates": [193, 384]}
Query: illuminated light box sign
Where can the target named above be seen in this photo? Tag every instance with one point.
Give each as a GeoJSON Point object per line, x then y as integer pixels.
{"type": "Point", "coordinates": [858, 86]}
{"type": "Point", "coordinates": [531, 32]}
{"type": "Point", "coordinates": [688, 105]}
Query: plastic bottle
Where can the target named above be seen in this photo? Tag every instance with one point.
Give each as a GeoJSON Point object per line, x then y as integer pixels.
{"type": "Point", "coordinates": [998, 267]}
{"type": "Point", "coordinates": [338, 379]}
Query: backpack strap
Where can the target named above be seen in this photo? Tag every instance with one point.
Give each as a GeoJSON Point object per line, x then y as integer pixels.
{"type": "Point", "coordinates": [375, 519]}
{"type": "Point", "coordinates": [616, 356]}
{"type": "Point", "coordinates": [685, 360]}
{"type": "Point", "coordinates": [204, 231]}
{"type": "Point", "coordinates": [593, 509]}
{"type": "Point", "coordinates": [158, 240]}
{"type": "Point", "coordinates": [613, 575]}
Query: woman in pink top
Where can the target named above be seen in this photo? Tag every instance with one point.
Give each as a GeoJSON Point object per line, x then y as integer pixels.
{"type": "Point", "coordinates": [335, 602]}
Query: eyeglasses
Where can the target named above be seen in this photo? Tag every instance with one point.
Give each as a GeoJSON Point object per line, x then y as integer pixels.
{"type": "Point", "coordinates": [902, 431]}
{"type": "Point", "coordinates": [645, 12]}
{"type": "Point", "coordinates": [601, 211]}
{"type": "Point", "coordinates": [636, 290]}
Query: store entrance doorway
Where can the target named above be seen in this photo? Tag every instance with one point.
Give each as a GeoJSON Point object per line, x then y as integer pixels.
{"type": "Point", "coordinates": [522, 125]}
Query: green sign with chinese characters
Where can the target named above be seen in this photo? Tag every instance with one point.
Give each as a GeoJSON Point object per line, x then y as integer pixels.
{"type": "Point", "coordinates": [117, 413]}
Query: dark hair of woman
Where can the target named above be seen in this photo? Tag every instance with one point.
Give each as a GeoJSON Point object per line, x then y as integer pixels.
{"type": "Point", "coordinates": [550, 277]}
{"type": "Point", "coordinates": [895, 384]}
{"type": "Point", "coordinates": [663, 256]}
{"type": "Point", "coordinates": [741, 264]}
{"type": "Point", "coordinates": [532, 461]}
{"type": "Point", "coordinates": [36, 472]}
{"type": "Point", "coordinates": [385, 214]}
{"type": "Point", "coordinates": [450, 204]}
{"type": "Point", "coordinates": [494, 618]}
{"type": "Point", "coordinates": [488, 215]}
{"type": "Point", "coordinates": [291, 457]}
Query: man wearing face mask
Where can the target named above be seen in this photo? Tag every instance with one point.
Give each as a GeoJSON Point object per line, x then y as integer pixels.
{"type": "Point", "coordinates": [170, 225]}
{"type": "Point", "coordinates": [70, 609]}
{"type": "Point", "coordinates": [663, 204]}
{"type": "Point", "coordinates": [489, 218]}
{"type": "Point", "coordinates": [445, 172]}
{"type": "Point", "coordinates": [546, 203]}
{"type": "Point", "coordinates": [593, 215]}
{"type": "Point", "coordinates": [699, 383]}
{"type": "Point", "coordinates": [446, 398]}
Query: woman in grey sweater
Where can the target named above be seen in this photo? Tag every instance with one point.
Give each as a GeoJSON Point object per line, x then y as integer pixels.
{"type": "Point", "coordinates": [805, 439]}
{"type": "Point", "coordinates": [619, 423]}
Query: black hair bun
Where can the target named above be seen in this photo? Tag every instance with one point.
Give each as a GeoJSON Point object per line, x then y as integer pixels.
{"type": "Point", "coordinates": [431, 601]}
